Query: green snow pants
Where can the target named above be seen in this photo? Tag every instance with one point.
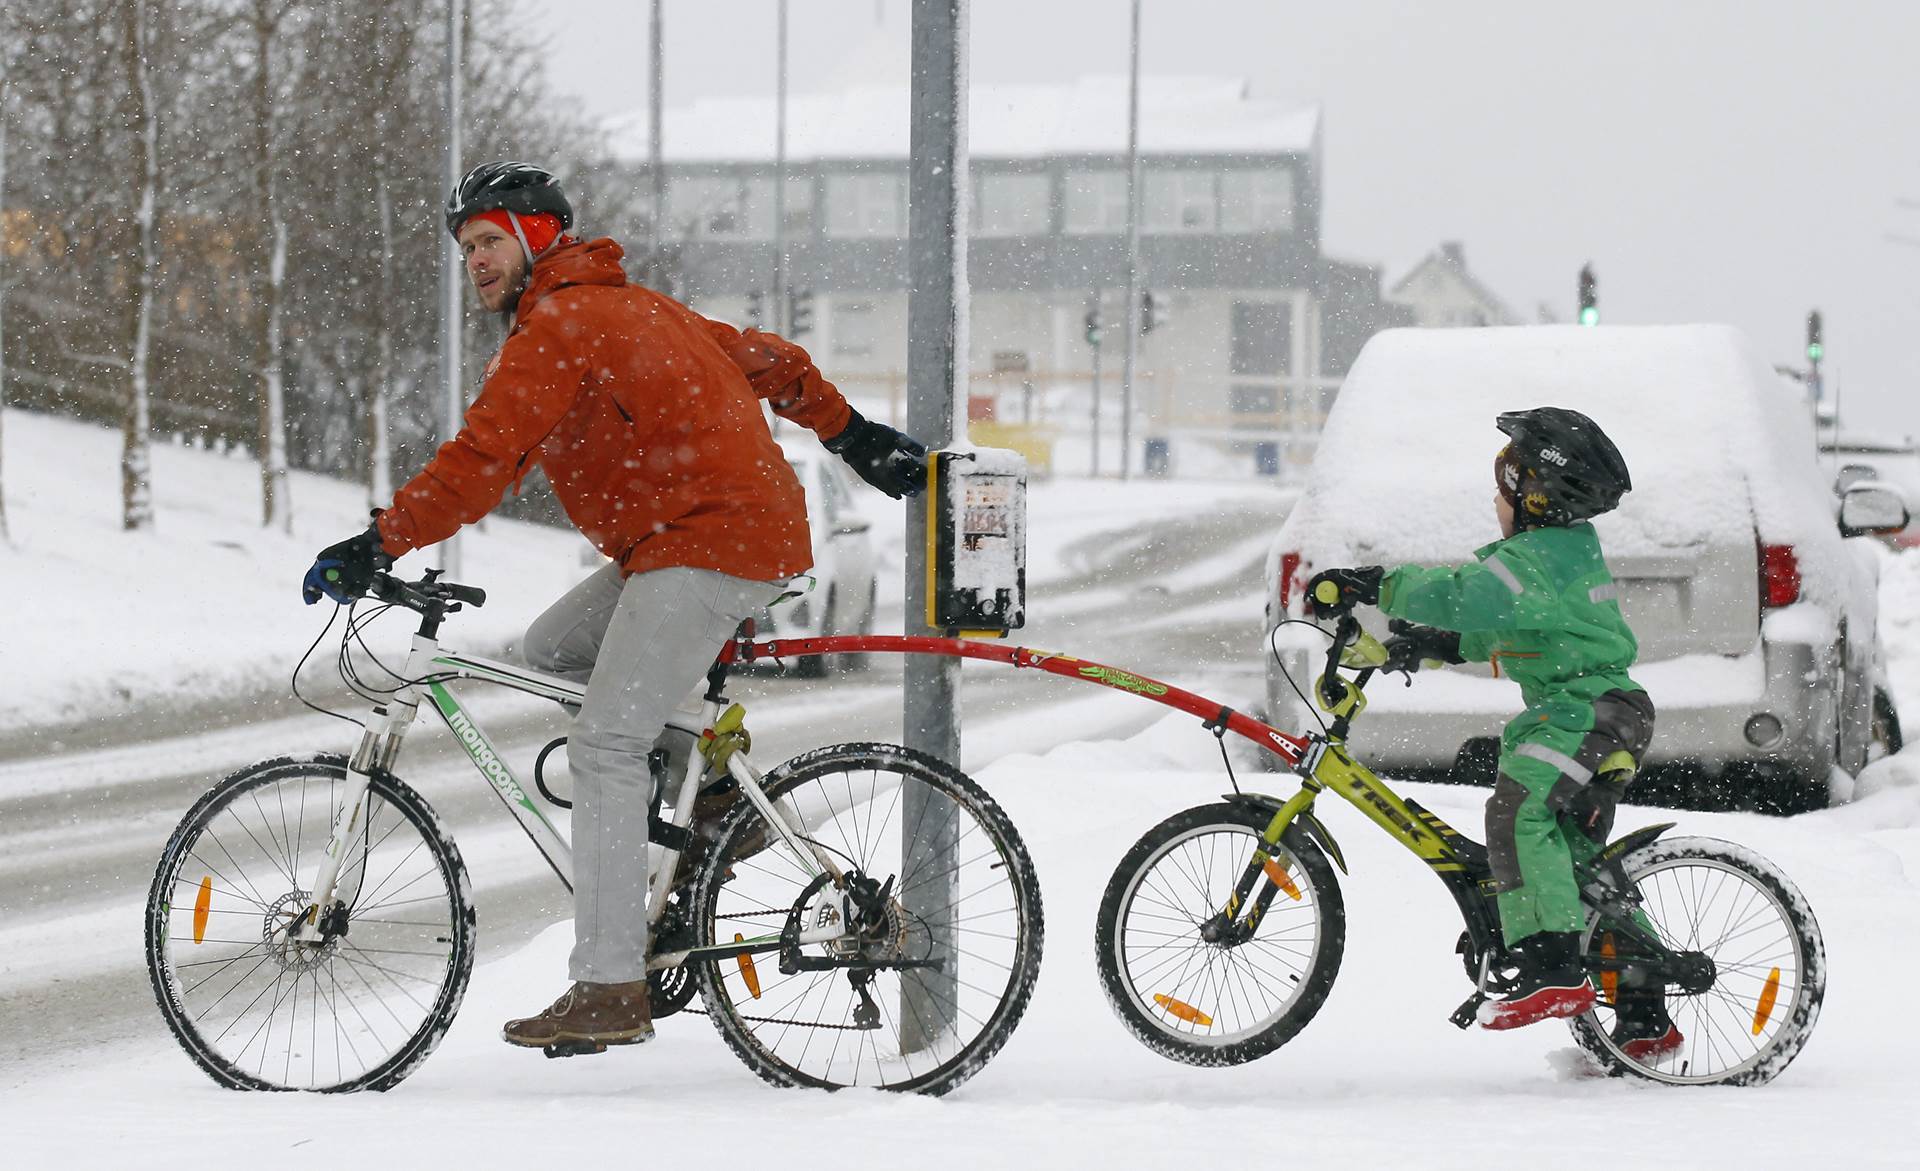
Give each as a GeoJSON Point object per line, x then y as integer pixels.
{"type": "Point", "coordinates": [1546, 760]}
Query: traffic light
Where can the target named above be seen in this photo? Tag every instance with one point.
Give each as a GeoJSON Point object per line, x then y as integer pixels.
{"type": "Point", "coordinates": [1589, 296]}
{"type": "Point", "coordinates": [757, 309]}
{"type": "Point", "coordinates": [799, 312]}
{"type": "Point", "coordinates": [1153, 310]}
{"type": "Point", "coordinates": [1096, 325]}
{"type": "Point", "coordinates": [1815, 349]}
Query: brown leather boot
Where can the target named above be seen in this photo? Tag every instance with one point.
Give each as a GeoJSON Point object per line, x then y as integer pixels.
{"type": "Point", "coordinates": [605, 1014]}
{"type": "Point", "coordinates": [709, 811]}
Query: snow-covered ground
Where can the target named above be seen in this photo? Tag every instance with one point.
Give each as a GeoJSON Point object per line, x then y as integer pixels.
{"type": "Point", "coordinates": [1378, 1079]}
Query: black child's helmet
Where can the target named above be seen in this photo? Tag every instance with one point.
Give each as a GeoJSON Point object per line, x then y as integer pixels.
{"type": "Point", "coordinates": [521, 188]}
{"type": "Point", "coordinates": [1560, 468]}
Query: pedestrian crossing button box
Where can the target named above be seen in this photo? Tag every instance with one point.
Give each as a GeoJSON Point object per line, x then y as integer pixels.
{"type": "Point", "coordinates": [977, 533]}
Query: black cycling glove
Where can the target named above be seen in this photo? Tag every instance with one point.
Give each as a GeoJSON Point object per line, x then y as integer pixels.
{"type": "Point", "coordinates": [1358, 587]}
{"type": "Point", "coordinates": [1412, 644]}
{"type": "Point", "coordinates": [344, 571]}
{"type": "Point", "coordinates": [889, 460]}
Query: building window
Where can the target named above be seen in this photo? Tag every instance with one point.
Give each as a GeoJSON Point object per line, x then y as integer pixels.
{"type": "Point", "coordinates": [726, 206]}
{"type": "Point", "coordinates": [1256, 201]}
{"type": "Point", "coordinates": [800, 219]}
{"type": "Point", "coordinates": [1012, 204]}
{"type": "Point", "coordinates": [1254, 400]}
{"type": "Point", "coordinates": [854, 329]}
{"type": "Point", "coordinates": [870, 204]}
{"type": "Point", "coordinates": [1179, 201]}
{"type": "Point", "coordinates": [1096, 201]}
{"type": "Point", "coordinates": [1260, 355]}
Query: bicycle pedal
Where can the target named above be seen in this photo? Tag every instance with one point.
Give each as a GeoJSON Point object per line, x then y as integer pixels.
{"type": "Point", "coordinates": [1468, 1013]}
{"type": "Point", "coordinates": [573, 1048]}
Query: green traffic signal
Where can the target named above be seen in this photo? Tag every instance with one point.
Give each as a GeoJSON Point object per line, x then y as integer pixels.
{"type": "Point", "coordinates": [1590, 315]}
{"type": "Point", "coordinates": [1815, 351]}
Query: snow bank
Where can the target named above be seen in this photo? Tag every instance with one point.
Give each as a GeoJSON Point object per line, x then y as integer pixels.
{"type": "Point", "coordinates": [208, 604]}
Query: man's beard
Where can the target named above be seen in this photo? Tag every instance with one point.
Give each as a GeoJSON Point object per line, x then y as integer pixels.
{"type": "Point", "coordinates": [511, 305]}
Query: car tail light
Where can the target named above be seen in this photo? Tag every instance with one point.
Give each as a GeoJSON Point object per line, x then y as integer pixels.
{"type": "Point", "coordinates": [1289, 578]}
{"type": "Point", "coordinates": [1779, 576]}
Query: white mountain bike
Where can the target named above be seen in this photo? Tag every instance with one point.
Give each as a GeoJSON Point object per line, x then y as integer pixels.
{"type": "Point", "coordinates": [311, 924]}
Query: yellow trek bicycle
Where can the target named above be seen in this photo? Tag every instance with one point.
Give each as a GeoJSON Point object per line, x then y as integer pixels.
{"type": "Point", "coordinates": [1221, 931]}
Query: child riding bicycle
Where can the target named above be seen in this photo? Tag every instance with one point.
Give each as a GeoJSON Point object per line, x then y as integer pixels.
{"type": "Point", "coordinates": [1540, 605]}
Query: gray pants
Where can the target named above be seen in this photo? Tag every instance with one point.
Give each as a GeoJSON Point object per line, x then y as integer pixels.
{"type": "Point", "coordinates": [641, 644]}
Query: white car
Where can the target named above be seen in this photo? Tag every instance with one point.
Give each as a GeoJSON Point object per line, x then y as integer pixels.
{"type": "Point", "coordinates": [1755, 614]}
{"type": "Point", "coordinates": [844, 562]}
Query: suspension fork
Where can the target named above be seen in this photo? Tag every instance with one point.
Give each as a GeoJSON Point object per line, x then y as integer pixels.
{"type": "Point", "coordinates": [379, 747]}
{"type": "Point", "coordinates": [1264, 862]}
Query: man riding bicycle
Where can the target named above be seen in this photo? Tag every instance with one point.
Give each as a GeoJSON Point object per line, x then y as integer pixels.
{"type": "Point", "coordinates": [646, 418]}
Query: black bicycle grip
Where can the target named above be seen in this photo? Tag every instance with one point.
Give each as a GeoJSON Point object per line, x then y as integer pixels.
{"type": "Point", "coordinates": [472, 595]}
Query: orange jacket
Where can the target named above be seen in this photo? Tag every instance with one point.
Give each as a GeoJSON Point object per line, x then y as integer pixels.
{"type": "Point", "coordinates": [646, 417]}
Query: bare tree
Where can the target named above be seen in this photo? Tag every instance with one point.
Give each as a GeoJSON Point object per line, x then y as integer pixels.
{"type": "Point", "coordinates": [136, 471]}
{"type": "Point", "coordinates": [276, 74]}
{"type": "Point", "coordinates": [6, 275]}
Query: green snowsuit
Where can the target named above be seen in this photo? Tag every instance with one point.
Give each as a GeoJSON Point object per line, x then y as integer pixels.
{"type": "Point", "coordinates": [1541, 607]}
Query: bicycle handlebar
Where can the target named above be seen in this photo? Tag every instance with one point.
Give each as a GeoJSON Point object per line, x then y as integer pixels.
{"type": "Point", "coordinates": [428, 596]}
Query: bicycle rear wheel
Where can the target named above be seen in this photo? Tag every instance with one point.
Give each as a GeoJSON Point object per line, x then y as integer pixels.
{"type": "Point", "coordinates": [358, 1012]}
{"type": "Point", "coordinates": [1762, 983]}
{"type": "Point", "coordinates": [939, 917]}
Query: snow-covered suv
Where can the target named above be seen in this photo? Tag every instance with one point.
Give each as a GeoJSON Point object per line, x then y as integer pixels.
{"type": "Point", "coordinates": [1756, 616]}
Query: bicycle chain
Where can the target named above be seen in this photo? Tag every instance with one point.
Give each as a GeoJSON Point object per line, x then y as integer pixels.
{"type": "Point", "coordinates": [770, 1020]}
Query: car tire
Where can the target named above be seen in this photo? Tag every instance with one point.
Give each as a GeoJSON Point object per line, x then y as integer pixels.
{"type": "Point", "coordinates": [816, 666]}
{"type": "Point", "coordinates": [1886, 726]}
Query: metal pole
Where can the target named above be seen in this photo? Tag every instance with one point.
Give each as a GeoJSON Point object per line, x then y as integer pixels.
{"type": "Point", "coordinates": [656, 154]}
{"type": "Point", "coordinates": [450, 272]}
{"type": "Point", "coordinates": [781, 322]}
{"type": "Point", "coordinates": [5, 277]}
{"type": "Point", "coordinates": [1099, 298]}
{"type": "Point", "coordinates": [936, 388]}
{"type": "Point", "coordinates": [1130, 313]}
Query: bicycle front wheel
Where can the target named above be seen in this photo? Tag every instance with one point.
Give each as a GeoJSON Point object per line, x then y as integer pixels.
{"type": "Point", "coordinates": [1227, 1000]}
{"type": "Point", "coordinates": [921, 957]}
{"type": "Point", "coordinates": [1760, 968]}
{"type": "Point", "coordinates": [258, 1011]}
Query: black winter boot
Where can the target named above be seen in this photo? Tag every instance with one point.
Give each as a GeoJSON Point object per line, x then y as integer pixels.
{"type": "Point", "coordinates": [1551, 983]}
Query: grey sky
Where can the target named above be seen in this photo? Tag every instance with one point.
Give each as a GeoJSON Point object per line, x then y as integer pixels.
{"type": "Point", "coordinates": [1717, 160]}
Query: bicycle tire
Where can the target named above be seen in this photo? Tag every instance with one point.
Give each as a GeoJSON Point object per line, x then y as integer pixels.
{"type": "Point", "coordinates": [1776, 927]}
{"type": "Point", "coordinates": [1130, 939]}
{"type": "Point", "coordinates": [1010, 923]}
{"type": "Point", "coordinates": [400, 827]}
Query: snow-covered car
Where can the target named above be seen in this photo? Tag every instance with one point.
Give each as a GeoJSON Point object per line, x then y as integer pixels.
{"type": "Point", "coordinates": [1868, 461]}
{"type": "Point", "coordinates": [1755, 614]}
{"type": "Point", "coordinates": [844, 562]}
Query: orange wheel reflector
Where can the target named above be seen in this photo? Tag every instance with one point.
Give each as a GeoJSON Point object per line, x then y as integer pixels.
{"type": "Point", "coordinates": [1609, 979]}
{"type": "Point", "coordinates": [1768, 995]}
{"type": "Point", "coordinates": [1183, 1010]}
{"type": "Point", "coordinates": [747, 971]}
{"type": "Point", "coordinates": [1278, 876]}
{"type": "Point", "coordinates": [204, 902]}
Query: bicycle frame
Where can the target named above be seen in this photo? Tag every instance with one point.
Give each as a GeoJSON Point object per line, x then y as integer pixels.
{"type": "Point", "coordinates": [434, 669]}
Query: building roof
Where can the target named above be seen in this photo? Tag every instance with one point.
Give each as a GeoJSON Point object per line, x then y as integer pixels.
{"type": "Point", "coordinates": [1178, 115]}
{"type": "Point", "coordinates": [1449, 260]}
